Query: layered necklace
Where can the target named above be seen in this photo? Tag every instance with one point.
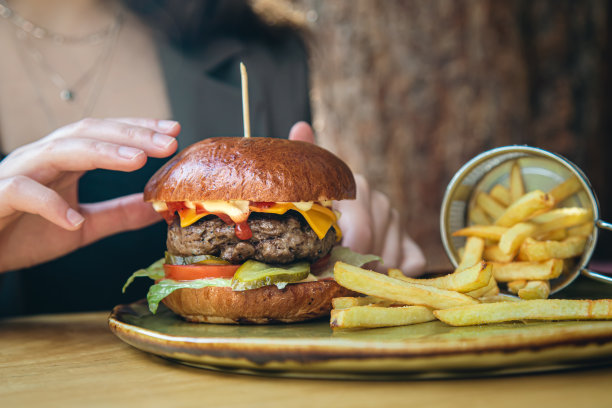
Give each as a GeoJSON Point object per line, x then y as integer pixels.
{"type": "Point", "coordinates": [30, 37]}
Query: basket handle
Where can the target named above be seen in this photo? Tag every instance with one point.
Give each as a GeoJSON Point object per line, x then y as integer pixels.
{"type": "Point", "coordinates": [595, 275]}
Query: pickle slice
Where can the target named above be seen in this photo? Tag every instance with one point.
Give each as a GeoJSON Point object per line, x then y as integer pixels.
{"type": "Point", "coordinates": [195, 259]}
{"type": "Point", "coordinates": [253, 274]}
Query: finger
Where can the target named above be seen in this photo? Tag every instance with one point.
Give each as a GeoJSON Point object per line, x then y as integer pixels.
{"type": "Point", "coordinates": [355, 220]}
{"type": "Point", "coordinates": [117, 215]}
{"type": "Point", "coordinates": [363, 192]}
{"type": "Point", "coordinates": [302, 131]}
{"type": "Point", "coordinates": [380, 210]}
{"type": "Point", "coordinates": [154, 144]}
{"type": "Point", "coordinates": [168, 127]}
{"type": "Point", "coordinates": [392, 247]}
{"type": "Point", "coordinates": [355, 226]}
{"type": "Point", "coordinates": [413, 263]}
{"type": "Point", "coordinates": [59, 155]}
{"type": "Point", "coordinates": [22, 194]}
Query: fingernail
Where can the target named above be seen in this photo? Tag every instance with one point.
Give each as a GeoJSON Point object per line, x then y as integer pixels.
{"type": "Point", "coordinates": [128, 152]}
{"type": "Point", "coordinates": [166, 124]}
{"type": "Point", "coordinates": [74, 217]}
{"type": "Point", "coordinates": [162, 141]}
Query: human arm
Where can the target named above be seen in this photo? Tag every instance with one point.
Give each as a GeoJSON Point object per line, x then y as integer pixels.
{"type": "Point", "coordinates": [40, 216]}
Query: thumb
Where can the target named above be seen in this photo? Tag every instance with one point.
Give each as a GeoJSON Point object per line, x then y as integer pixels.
{"type": "Point", "coordinates": [301, 131]}
{"type": "Point", "coordinates": [117, 215]}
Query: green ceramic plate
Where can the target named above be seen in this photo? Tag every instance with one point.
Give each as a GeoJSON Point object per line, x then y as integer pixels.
{"type": "Point", "coordinates": [426, 350]}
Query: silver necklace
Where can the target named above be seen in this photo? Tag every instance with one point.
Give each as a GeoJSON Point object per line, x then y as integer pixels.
{"type": "Point", "coordinates": [67, 92]}
{"type": "Point", "coordinates": [42, 33]}
{"type": "Point", "coordinates": [27, 30]}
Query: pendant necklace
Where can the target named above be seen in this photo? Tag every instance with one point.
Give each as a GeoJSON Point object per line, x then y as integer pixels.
{"type": "Point", "coordinates": [27, 33]}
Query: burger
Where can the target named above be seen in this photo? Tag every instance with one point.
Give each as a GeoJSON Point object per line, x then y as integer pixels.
{"type": "Point", "coordinates": [252, 237]}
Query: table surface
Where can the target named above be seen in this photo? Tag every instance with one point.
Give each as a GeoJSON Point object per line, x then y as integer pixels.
{"type": "Point", "coordinates": [74, 360]}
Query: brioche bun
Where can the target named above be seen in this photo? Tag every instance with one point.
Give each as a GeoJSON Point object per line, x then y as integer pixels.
{"type": "Point", "coordinates": [294, 303]}
{"type": "Point", "coordinates": [254, 169]}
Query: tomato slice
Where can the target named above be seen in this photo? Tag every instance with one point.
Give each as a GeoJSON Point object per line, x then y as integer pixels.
{"type": "Point", "coordinates": [191, 272]}
{"type": "Point", "coordinates": [320, 264]}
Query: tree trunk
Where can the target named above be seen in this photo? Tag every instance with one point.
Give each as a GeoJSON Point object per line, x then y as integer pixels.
{"type": "Point", "coordinates": [408, 91]}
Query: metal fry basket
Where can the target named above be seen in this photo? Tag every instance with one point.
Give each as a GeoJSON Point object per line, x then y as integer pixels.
{"type": "Point", "coordinates": [540, 169]}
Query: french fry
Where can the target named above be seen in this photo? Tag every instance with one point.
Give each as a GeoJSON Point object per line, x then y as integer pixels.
{"type": "Point", "coordinates": [584, 230]}
{"type": "Point", "coordinates": [525, 207]}
{"type": "Point", "coordinates": [347, 301]}
{"type": "Point", "coordinates": [461, 252]}
{"type": "Point", "coordinates": [532, 250]}
{"type": "Point", "coordinates": [398, 274]}
{"type": "Point", "coordinates": [540, 309]}
{"type": "Point", "coordinates": [560, 214]}
{"type": "Point", "coordinates": [554, 235]}
{"type": "Point", "coordinates": [379, 285]}
{"type": "Point", "coordinates": [527, 270]}
{"type": "Point", "coordinates": [493, 291]}
{"type": "Point", "coordinates": [491, 232]}
{"type": "Point", "coordinates": [512, 239]}
{"type": "Point", "coordinates": [499, 298]}
{"type": "Point", "coordinates": [489, 205]}
{"type": "Point", "coordinates": [517, 187]}
{"type": "Point", "coordinates": [472, 254]}
{"type": "Point", "coordinates": [462, 280]}
{"type": "Point", "coordinates": [369, 316]}
{"type": "Point", "coordinates": [565, 189]}
{"type": "Point", "coordinates": [489, 290]}
{"type": "Point", "coordinates": [516, 285]}
{"type": "Point", "coordinates": [535, 290]}
{"type": "Point", "coordinates": [501, 194]}
{"type": "Point", "coordinates": [493, 253]}
{"type": "Point", "coordinates": [562, 218]}
{"type": "Point", "coordinates": [477, 216]}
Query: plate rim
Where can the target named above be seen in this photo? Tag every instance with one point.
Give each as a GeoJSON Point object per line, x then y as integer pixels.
{"type": "Point", "coordinates": [209, 353]}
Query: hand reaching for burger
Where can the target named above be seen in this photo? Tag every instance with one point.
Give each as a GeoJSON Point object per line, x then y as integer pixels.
{"type": "Point", "coordinates": [370, 225]}
{"type": "Point", "coordinates": [40, 216]}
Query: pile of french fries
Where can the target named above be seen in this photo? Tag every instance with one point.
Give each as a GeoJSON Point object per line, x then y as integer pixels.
{"type": "Point", "coordinates": [465, 297]}
{"type": "Point", "coordinates": [527, 237]}
{"type": "Point", "coordinates": [518, 238]}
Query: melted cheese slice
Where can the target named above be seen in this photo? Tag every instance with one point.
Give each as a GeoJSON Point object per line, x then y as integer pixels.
{"type": "Point", "coordinates": [189, 216]}
{"type": "Point", "coordinates": [237, 210]}
{"type": "Point", "coordinates": [320, 218]}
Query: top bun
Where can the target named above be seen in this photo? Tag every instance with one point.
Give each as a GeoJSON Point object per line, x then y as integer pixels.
{"type": "Point", "coordinates": [254, 169]}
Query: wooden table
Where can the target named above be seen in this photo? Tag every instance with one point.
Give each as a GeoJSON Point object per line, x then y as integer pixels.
{"type": "Point", "coordinates": [73, 360]}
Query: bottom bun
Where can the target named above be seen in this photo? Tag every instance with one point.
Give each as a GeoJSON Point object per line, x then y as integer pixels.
{"type": "Point", "coordinates": [294, 303]}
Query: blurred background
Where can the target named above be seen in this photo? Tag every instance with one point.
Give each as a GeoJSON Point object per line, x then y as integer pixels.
{"type": "Point", "coordinates": [407, 91]}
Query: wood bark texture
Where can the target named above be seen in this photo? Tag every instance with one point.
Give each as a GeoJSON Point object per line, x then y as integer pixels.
{"type": "Point", "coordinates": [407, 91]}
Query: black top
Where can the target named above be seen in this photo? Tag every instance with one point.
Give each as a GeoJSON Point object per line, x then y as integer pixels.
{"type": "Point", "coordinates": [205, 97]}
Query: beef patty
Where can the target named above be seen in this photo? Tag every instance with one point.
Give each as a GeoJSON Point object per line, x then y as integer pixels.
{"type": "Point", "coordinates": [276, 239]}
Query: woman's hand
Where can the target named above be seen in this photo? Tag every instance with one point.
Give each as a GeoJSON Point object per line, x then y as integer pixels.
{"type": "Point", "coordinates": [40, 216]}
{"type": "Point", "coordinates": [369, 225]}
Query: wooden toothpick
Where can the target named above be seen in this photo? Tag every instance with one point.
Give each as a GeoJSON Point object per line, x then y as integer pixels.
{"type": "Point", "coordinates": [245, 100]}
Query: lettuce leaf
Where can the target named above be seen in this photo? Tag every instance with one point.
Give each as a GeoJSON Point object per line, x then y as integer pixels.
{"type": "Point", "coordinates": [155, 271]}
{"type": "Point", "coordinates": [344, 254]}
{"type": "Point", "coordinates": [165, 287]}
